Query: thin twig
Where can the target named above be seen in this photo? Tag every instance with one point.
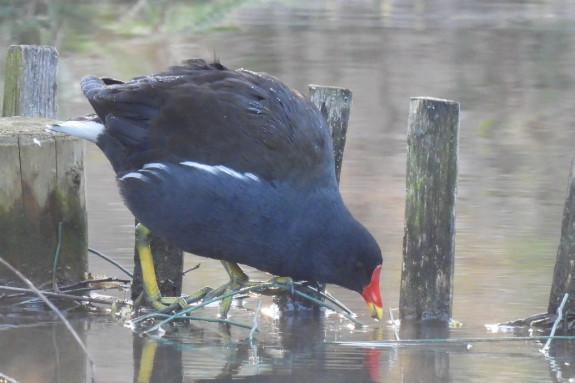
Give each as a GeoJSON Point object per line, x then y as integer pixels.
{"type": "Point", "coordinates": [559, 318]}
{"type": "Point", "coordinates": [93, 281]}
{"type": "Point", "coordinates": [103, 256]}
{"type": "Point", "coordinates": [419, 342]}
{"type": "Point", "coordinates": [191, 269]}
{"type": "Point", "coordinates": [58, 313]}
{"type": "Point", "coordinates": [342, 313]}
{"type": "Point", "coordinates": [263, 286]}
{"type": "Point", "coordinates": [331, 299]}
{"type": "Point", "coordinates": [56, 295]}
{"type": "Point", "coordinates": [7, 379]}
{"type": "Point", "coordinates": [216, 320]}
{"type": "Point", "coordinates": [255, 326]}
{"type": "Point", "coordinates": [203, 304]}
{"type": "Point", "coordinates": [393, 324]}
{"type": "Point", "coordinates": [56, 257]}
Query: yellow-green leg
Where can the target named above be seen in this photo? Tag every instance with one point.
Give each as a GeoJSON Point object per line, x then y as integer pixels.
{"type": "Point", "coordinates": [238, 279]}
{"type": "Point", "coordinates": [150, 284]}
{"type": "Point", "coordinates": [151, 291]}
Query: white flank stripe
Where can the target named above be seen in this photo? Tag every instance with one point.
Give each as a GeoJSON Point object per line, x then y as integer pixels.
{"type": "Point", "coordinates": [197, 165]}
{"type": "Point", "coordinates": [87, 130]}
{"type": "Point", "coordinates": [252, 176]}
{"type": "Point", "coordinates": [155, 165]}
{"type": "Point", "coordinates": [135, 175]}
{"type": "Point", "coordinates": [229, 171]}
{"type": "Point", "coordinates": [220, 169]}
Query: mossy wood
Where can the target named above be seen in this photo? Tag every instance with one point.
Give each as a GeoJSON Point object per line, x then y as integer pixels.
{"type": "Point", "coordinates": [41, 185]}
{"type": "Point", "coordinates": [30, 81]}
{"type": "Point", "coordinates": [41, 175]}
{"type": "Point", "coordinates": [334, 103]}
{"type": "Point", "coordinates": [431, 193]}
{"type": "Point", "coordinates": [564, 274]}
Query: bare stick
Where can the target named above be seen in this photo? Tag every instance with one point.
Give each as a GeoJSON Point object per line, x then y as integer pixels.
{"type": "Point", "coordinates": [113, 262]}
{"type": "Point", "coordinates": [559, 318]}
{"type": "Point", "coordinates": [255, 326]}
{"type": "Point", "coordinates": [56, 257]}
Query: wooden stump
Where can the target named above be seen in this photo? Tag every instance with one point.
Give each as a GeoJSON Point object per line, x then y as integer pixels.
{"type": "Point", "coordinates": [429, 240]}
{"type": "Point", "coordinates": [41, 185]}
{"type": "Point", "coordinates": [334, 104]}
{"type": "Point", "coordinates": [564, 274]}
{"type": "Point", "coordinates": [41, 175]}
{"type": "Point", "coordinates": [30, 81]}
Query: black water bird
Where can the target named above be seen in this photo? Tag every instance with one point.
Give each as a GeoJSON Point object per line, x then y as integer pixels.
{"type": "Point", "coordinates": [231, 165]}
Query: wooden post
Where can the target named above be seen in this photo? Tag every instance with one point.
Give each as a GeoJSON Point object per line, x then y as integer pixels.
{"type": "Point", "coordinates": [334, 104]}
{"type": "Point", "coordinates": [30, 81]}
{"type": "Point", "coordinates": [564, 274]}
{"type": "Point", "coordinates": [41, 185]}
{"type": "Point", "coordinates": [431, 191]}
{"type": "Point", "coordinates": [41, 176]}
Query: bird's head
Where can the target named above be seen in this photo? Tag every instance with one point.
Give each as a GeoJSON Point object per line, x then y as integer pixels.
{"type": "Point", "coordinates": [344, 251]}
{"type": "Point", "coordinates": [359, 261]}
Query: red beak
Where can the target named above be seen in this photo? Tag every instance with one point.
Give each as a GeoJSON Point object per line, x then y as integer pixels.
{"type": "Point", "coordinates": [371, 295]}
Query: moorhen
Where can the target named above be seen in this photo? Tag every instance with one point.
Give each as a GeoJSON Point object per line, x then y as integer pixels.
{"type": "Point", "coordinates": [231, 165]}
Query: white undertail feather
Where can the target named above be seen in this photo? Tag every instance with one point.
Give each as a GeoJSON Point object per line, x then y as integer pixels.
{"type": "Point", "coordinates": [87, 130]}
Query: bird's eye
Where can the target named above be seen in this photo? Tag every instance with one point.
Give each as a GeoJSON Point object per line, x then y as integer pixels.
{"type": "Point", "coordinates": [359, 265]}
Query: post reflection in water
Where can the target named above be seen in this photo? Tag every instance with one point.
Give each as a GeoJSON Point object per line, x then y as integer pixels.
{"type": "Point", "coordinates": [37, 347]}
{"type": "Point", "coordinates": [430, 363]}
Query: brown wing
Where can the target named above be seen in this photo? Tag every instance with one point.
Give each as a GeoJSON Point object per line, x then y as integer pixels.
{"type": "Point", "coordinates": [206, 113]}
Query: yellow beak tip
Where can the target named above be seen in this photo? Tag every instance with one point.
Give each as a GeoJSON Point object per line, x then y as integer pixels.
{"type": "Point", "coordinates": [376, 312]}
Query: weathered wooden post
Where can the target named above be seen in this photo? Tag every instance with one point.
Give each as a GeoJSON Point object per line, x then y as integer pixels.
{"type": "Point", "coordinates": [41, 175]}
{"type": "Point", "coordinates": [564, 274]}
{"type": "Point", "coordinates": [431, 191]}
{"type": "Point", "coordinates": [334, 104]}
{"type": "Point", "coordinates": [30, 81]}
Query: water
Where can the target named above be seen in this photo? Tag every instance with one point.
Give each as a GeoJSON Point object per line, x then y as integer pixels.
{"type": "Point", "coordinates": [508, 63]}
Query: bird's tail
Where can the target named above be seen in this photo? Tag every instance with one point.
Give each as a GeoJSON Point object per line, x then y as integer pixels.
{"type": "Point", "coordinates": [88, 127]}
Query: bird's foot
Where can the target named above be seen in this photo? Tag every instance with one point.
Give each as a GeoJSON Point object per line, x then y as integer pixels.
{"type": "Point", "coordinates": [161, 303]}
{"type": "Point", "coordinates": [238, 280]}
{"type": "Point", "coordinates": [269, 287]}
{"type": "Point", "coordinates": [283, 282]}
{"type": "Point", "coordinates": [151, 292]}
{"type": "Point", "coordinates": [167, 304]}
